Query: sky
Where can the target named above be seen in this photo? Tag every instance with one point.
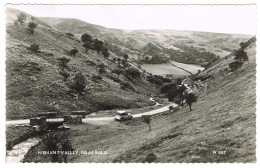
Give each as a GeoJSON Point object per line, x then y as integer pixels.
{"type": "Point", "coordinates": [217, 18]}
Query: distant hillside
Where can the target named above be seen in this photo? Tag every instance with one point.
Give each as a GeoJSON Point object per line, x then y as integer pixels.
{"type": "Point", "coordinates": [182, 46]}
{"type": "Point", "coordinates": [35, 81]}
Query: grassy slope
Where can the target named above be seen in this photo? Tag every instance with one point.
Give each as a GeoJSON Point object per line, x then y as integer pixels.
{"type": "Point", "coordinates": [49, 93]}
{"type": "Point", "coordinates": [221, 120]}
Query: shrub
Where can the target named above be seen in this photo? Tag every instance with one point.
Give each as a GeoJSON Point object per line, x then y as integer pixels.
{"type": "Point", "coordinates": [86, 38]}
{"type": "Point", "coordinates": [21, 18]}
{"type": "Point", "coordinates": [70, 35]}
{"type": "Point", "coordinates": [63, 62]}
{"type": "Point", "coordinates": [79, 82]}
{"type": "Point", "coordinates": [126, 85]}
{"type": "Point", "coordinates": [31, 27]}
{"type": "Point", "coordinates": [73, 52]}
{"type": "Point", "coordinates": [241, 55]}
{"type": "Point", "coordinates": [101, 68]}
{"type": "Point", "coordinates": [117, 71]}
{"type": "Point", "coordinates": [87, 45]}
{"type": "Point", "coordinates": [34, 47]}
{"type": "Point", "coordinates": [105, 53]}
{"type": "Point", "coordinates": [96, 78]}
{"type": "Point", "coordinates": [65, 74]}
{"type": "Point", "coordinates": [98, 45]}
{"type": "Point", "coordinates": [167, 87]}
{"type": "Point", "coordinates": [133, 73]}
{"type": "Point", "coordinates": [153, 79]}
{"type": "Point", "coordinates": [125, 56]}
{"type": "Point", "coordinates": [234, 66]}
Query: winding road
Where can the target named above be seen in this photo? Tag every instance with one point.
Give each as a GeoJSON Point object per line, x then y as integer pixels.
{"type": "Point", "coordinates": [100, 120]}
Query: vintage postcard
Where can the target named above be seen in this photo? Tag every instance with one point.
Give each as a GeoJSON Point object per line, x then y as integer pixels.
{"type": "Point", "coordinates": [130, 83]}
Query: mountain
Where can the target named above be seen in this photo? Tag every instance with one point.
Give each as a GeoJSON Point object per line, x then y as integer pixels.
{"type": "Point", "coordinates": [181, 46]}
{"type": "Point", "coordinates": [35, 80]}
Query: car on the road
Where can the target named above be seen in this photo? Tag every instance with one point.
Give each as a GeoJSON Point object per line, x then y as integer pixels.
{"type": "Point", "coordinates": [123, 115]}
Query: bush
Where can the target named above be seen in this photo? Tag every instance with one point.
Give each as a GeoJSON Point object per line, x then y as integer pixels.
{"type": "Point", "coordinates": [31, 27]}
{"type": "Point", "coordinates": [79, 82]}
{"type": "Point", "coordinates": [167, 87]}
{"type": "Point", "coordinates": [34, 47]}
{"type": "Point", "coordinates": [126, 85]}
{"type": "Point", "coordinates": [98, 45]}
{"type": "Point", "coordinates": [117, 71]}
{"type": "Point", "coordinates": [63, 62]}
{"type": "Point", "coordinates": [105, 53]}
{"type": "Point", "coordinates": [234, 66]}
{"type": "Point", "coordinates": [241, 55]}
{"type": "Point", "coordinates": [96, 78]}
{"type": "Point", "coordinates": [102, 68]}
{"type": "Point", "coordinates": [87, 45]}
{"type": "Point", "coordinates": [86, 38]}
{"type": "Point", "coordinates": [154, 80]}
{"type": "Point", "coordinates": [73, 52]}
{"type": "Point", "coordinates": [125, 56]}
{"type": "Point", "coordinates": [21, 18]}
{"type": "Point", "coordinates": [133, 73]}
{"type": "Point", "coordinates": [65, 74]}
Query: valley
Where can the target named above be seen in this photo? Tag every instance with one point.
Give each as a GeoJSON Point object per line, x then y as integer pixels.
{"type": "Point", "coordinates": [70, 65]}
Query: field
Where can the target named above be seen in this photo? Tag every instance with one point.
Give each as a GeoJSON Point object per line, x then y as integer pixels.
{"type": "Point", "coordinates": [164, 69]}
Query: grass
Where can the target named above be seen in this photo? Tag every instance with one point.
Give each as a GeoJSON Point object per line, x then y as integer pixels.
{"type": "Point", "coordinates": [222, 120]}
{"type": "Point", "coordinates": [34, 83]}
{"type": "Point", "coordinates": [15, 135]}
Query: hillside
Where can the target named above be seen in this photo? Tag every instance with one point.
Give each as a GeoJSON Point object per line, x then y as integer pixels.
{"type": "Point", "coordinates": [223, 120]}
{"type": "Point", "coordinates": [34, 82]}
{"type": "Point", "coordinates": [189, 47]}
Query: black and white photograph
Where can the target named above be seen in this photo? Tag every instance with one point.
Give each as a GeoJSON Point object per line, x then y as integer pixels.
{"type": "Point", "coordinates": [130, 83]}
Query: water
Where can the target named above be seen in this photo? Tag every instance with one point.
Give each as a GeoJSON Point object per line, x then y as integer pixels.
{"type": "Point", "coordinates": [18, 152]}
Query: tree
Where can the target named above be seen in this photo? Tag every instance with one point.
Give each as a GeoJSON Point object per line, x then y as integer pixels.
{"type": "Point", "coordinates": [125, 56]}
{"type": "Point", "coordinates": [63, 61]}
{"type": "Point", "coordinates": [73, 52]}
{"type": "Point", "coordinates": [98, 45]}
{"type": "Point", "coordinates": [190, 98]}
{"type": "Point", "coordinates": [133, 73]}
{"type": "Point", "coordinates": [79, 82]}
{"type": "Point", "coordinates": [234, 66]}
{"type": "Point", "coordinates": [241, 55]}
{"type": "Point", "coordinates": [147, 119]}
{"type": "Point", "coordinates": [34, 47]}
{"type": "Point", "coordinates": [86, 38]}
{"type": "Point", "coordinates": [65, 74]}
{"type": "Point", "coordinates": [31, 27]}
{"type": "Point", "coordinates": [21, 18]}
{"type": "Point", "coordinates": [167, 87]}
